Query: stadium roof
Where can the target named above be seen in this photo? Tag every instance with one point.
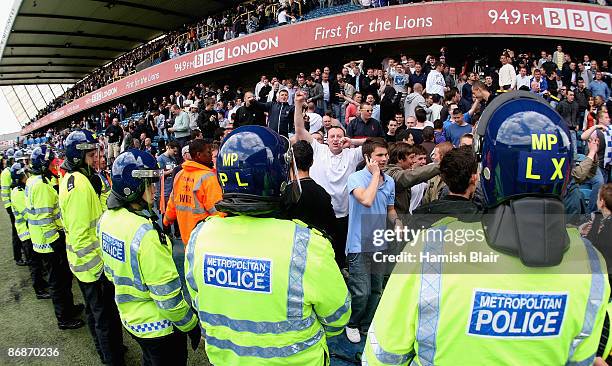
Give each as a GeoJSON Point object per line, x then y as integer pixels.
{"type": "Point", "coordinates": [60, 42]}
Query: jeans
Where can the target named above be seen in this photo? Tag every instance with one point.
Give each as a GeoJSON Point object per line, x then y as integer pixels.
{"type": "Point", "coordinates": [166, 350]}
{"type": "Point", "coordinates": [365, 287]}
{"type": "Point", "coordinates": [595, 183]}
{"type": "Point", "coordinates": [103, 320]}
{"type": "Point", "coordinates": [574, 140]}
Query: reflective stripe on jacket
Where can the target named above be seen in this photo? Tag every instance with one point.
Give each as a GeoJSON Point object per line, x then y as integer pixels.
{"type": "Point", "coordinates": [148, 290]}
{"type": "Point", "coordinates": [81, 209]}
{"type": "Point", "coordinates": [267, 291]}
{"type": "Point", "coordinates": [5, 191]}
{"type": "Point", "coordinates": [44, 218]}
{"type": "Point", "coordinates": [483, 312]}
{"type": "Point", "coordinates": [194, 194]}
{"type": "Point", "coordinates": [20, 212]}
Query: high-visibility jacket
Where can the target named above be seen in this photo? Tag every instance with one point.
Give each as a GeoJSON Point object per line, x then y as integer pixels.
{"type": "Point", "coordinates": [106, 189]}
{"type": "Point", "coordinates": [475, 312]}
{"type": "Point", "coordinates": [267, 291]}
{"type": "Point", "coordinates": [5, 181]}
{"type": "Point", "coordinates": [44, 218]}
{"type": "Point", "coordinates": [148, 290]}
{"type": "Point", "coordinates": [20, 212]}
{"type": "Point", "coordinates": [195, 191]}
{"type": "Point", "coordinates": [81, 209]}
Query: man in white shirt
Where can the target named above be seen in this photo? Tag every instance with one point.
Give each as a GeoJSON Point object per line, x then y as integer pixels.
{"type": "Point", "coordinates": [507, 74]}
{"type": "Point", "coordinates": [316, 121]}
{"type": "Point", "coordinates": [260, 84]}
{"type": "Point", "coordinates": [435, 83]}
{"type": "Point", "coordinates": [522, 79]}
{"type": "Point", "coordinates": [333, 163]}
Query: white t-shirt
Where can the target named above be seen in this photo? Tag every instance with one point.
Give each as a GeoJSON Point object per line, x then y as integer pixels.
{"type": "Point", "coordinates": [523, 81]}
{"type": "Point", "coordinates": [326, 95]}
{"type": "Point", "coordinates": [282, 17]}
{"type": "Point", "coordinates": [417, 191]}
{"type": "Point", "coordinates": [316, 122]}
{"type": "Point", "coordinates": [332, 171]}
{"type": "Point", "coordinates": [435, 83]}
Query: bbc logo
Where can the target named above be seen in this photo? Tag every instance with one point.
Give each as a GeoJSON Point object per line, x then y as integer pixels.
{"type": "Point", "coordinates": [580, 20]}
{"type": "Point", "coordinates": [209, 57]}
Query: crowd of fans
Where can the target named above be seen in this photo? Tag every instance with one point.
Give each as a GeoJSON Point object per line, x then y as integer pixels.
{"type": "Point", "coordinates": [403, 115]}
{"type": "Point", "coordinates": [428, 105]}
{"type": "Point", "coordinates": [246, 18]}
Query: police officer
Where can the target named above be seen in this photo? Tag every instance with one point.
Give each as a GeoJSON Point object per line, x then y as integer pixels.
{"type": "Point", "coordinates": [46, 233]}
{"type": "Point", "coordinates": [5, 181]}
{"type": "Point", "coordinates": [138, 260]}
{"type": "Point", "coordinates": [530, 291]}
{"type": "Point", "coordinates": [267, 290]}
{"type": "Point", "coordinates": [79, 202]}
{"type": "Point", "coordinates": [19, 174]}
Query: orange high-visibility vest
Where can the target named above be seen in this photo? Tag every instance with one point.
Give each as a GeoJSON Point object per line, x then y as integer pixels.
{"type": "Point", "coordinates": [195, 191]}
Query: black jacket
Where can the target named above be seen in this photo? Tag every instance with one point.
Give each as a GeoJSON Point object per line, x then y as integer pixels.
{"type": "Point", "coordinates": [449, 206]}
{"type": "Point", "coordinates": [582, 98]}
{"type": "Point", "coordinates": [280, 116]}
{"type": "Point", "coordinates": [207, 123]}
{"type": "Point", "coordinates": [569, 112]}
{"type": "Point", "coordinates": [249, 116]}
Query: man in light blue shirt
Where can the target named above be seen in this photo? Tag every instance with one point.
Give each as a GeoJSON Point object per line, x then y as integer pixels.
{"type": "Point", "coordinates": [599, 87]}
{"type": "Point", "coordinates": [371, 199]}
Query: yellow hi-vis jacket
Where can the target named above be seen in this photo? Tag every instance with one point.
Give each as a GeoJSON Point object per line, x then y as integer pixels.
{"type": "Point", "coordinates": [267, 291]}
{"type": "Point", "coordinates": [148, 290]}
{"type": "Point", "coordinates": [81, 209]}
{"type": "Point", "coordinates": [489, 310]}
{"type": "Point", "coordinates": [44, 219]}
{"type": "Point", "coordinates": [20, 212]}
{"type": "Point", "coordinates": [5, 182]}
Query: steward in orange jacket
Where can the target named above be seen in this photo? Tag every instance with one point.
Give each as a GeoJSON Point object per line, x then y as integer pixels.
{"type": "Point", "coordinates": [195, 191]}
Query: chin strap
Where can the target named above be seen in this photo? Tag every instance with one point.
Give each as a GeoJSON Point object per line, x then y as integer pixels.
{"type": "Point", "coordinates": [531, 228]}
{"type": "Point", "coordinates": [251, 205]}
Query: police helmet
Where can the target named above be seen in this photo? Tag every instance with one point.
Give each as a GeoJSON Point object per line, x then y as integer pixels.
{"type": "Point", "coordinates": [10, 153]}
{"type": "Point", "coordinates": [132, 171]}
{"type": "Point", "coordinates": [253, 161]}
{"type": "Point", "coordinates": [19, 155]}
{"type": "Point", "coordinates": [17, 171]}
{"type": "Point", "coordinates": [525, 149]}
{"type": "Point", "coordinates": [77, 144]}
{"type": "Point", "coordinates": [41, 158]}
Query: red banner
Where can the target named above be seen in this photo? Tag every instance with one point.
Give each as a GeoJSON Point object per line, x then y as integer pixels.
{"type": "Point", "coordinates": [491, 18]}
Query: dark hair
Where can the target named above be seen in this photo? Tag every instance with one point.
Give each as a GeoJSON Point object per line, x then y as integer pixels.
{"type": "Point", "coordinates": [309, 78]}
{"type": "Point", "coordinates": [195, 133]}
{"type": "Point", "coordinates": [399, 151]}
{"type": "Point", "coordinates": [438, 124]}
{"type": "Point", "coordinates": [371, 143]}
{"type": "Point", "coordinates": [172, 145]}
{"type": "Point", "coordinates": [605, 193]}
{"type": "Point", "coordinates": [196, 146]}
{"type": "Point", "coordinates": [457, 168]}
{"type": "Point", "coordinates": [420, 114]}
{"type": "Point", "coordinates": [428, 133]}
{"type": "Point", "coordinates": [303, 155]}
{"type": "Point", "coordinates": [436, 98]}
{"type": "Point", "coordinates": [457, 111]}
{"type": "Point", "coordinates": [418, 150]}
{"type": "Point", "coordinates": [403, 135]}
